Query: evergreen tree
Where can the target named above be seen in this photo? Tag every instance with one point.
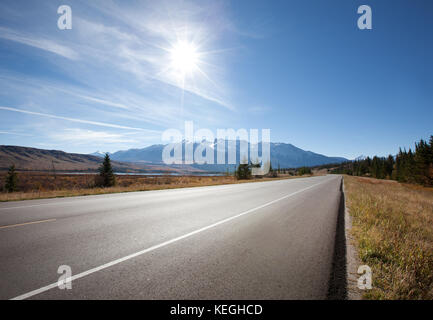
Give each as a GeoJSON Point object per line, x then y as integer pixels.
{"type": "Point", "coordinates": [410, 167]}
{"type": "Point", "coordinates": [374, 167]}
{"type": "Point", "coordinates": [399, 165]}
{"type": "Point", "coordinates": [11, 179]}
{"type": "Point", "coordinates": [430, 162]}
{"type": "Point", "coordinates": [106, 174]}
{"type": "Point", "coordinates": [422, 162]}
{"type": "Point", "coordinates": [304, 170]}
{"type": "Point", "coordinates": [407, 166]}
{"type": "Point", "coordinates": [243, 171]}
{"type": "Point", "coordinates": [272, 173]}
{"type": "Point", "coordinates": [389, 167]}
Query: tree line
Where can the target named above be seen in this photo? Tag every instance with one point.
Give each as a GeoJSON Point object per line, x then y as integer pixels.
{"type": "Point", "coordinates": [413, 166]}
{"type": "Point", "coordinates": [244, 171]}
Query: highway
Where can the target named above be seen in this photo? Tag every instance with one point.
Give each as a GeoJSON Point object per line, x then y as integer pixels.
{"type": "Point", "coordinates": [260, 240]}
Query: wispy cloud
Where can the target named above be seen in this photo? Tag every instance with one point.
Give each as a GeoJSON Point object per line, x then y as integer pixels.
{"type": "Point", "coordinates": [117, 71]}
{"type": "Point", "coordinates": [143, 38]}
{"type": "Point", "coordinates": [95, 123]}
{"type": "Point", "coordinates": [40, 43]}
{"type": "Point", "coordinates": [15, 133]}
{"type": "Point", "coordinates": [93, 99]}
{"type": "Point", "coordinates": [132, 106]}
{"type": "Point", "coordinates": [81, 136]}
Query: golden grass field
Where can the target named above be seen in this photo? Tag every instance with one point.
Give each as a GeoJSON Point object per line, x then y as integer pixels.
{"type": "Point", "coordinates": [33, 185]}
{"type": "Point", "coordinates": [393, 226]}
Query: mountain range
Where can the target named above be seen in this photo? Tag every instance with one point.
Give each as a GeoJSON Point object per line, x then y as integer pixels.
{"type": "Point", "coordinates": [284, 155]}
{"type": "Point", "coordinates": [149, 159]}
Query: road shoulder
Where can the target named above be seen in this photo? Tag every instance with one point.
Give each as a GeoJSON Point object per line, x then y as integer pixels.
{"type": "Point", "coordinates": [352, 260]}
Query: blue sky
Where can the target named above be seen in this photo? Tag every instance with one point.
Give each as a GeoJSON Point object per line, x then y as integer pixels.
{"type": "Point", "coordinates": [301, 68]}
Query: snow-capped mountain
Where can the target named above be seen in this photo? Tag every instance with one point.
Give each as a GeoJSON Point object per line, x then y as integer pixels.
{"type": "Point", "coordinates": [284, 155]}
{"type": "Point", "coordinates": [99, 154]}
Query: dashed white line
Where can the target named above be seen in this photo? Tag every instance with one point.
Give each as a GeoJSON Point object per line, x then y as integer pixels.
{"type": "Point", "coordinates": [26, 223]}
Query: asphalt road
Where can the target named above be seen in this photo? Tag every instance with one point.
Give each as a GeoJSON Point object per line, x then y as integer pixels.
{"type": "Point", "coordinates": [263, 240]}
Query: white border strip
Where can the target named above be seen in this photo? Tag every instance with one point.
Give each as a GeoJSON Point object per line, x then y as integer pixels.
{"type": "Point", "coordinates": [163, 244]}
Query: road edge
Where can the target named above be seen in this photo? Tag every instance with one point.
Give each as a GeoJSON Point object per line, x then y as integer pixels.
{"type": "Point", "coordinates": [352, 260]}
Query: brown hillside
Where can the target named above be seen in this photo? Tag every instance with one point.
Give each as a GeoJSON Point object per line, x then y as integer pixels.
{"type": "Point", "coordinates": [32, 159]}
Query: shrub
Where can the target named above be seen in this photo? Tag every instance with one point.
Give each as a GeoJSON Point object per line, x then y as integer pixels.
{"type": "Point", "coordinates": [243, 171]}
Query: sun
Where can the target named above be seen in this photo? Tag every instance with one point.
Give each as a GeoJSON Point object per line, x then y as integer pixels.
{"type": "Point", "coordinates": [184, 58]}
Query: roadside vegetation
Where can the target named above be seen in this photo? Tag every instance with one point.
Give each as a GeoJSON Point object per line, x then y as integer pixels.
{"type": "Point", "coordinates": [34, 185]}
{"type": "Point", "coordinates": [244, 171]}
{"type": "Point", "coordinates": [304, 170]}
{"type": "Point", "coordinates": [393, 226]}
{"type": "Point", "coordinates": [40, 185]}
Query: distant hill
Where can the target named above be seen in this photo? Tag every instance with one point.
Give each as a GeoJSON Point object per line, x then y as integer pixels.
{"type": "Point", "coordinates": [151, 154]}
{"type": "Point", "coordinates": [283, 154]}
{"type": "Point", "coordinates": [289, 156]}
{"type": "Point", "coordinates": [32, 159]}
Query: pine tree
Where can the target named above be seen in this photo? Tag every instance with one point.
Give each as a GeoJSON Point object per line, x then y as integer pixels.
{"type": "Point", "coordinates": [389, 167]}
{"type": "Point", "coordinates": [11, 179]}
{"type": "Point", "coordinates": [374, 167]}
{"type": "Point", "coordinates": [411, 167]}
{"type": "Point", "coordinates": [430, 162]}
{"type": "Point", "coordinates": [304, 170]}
{"type": "Point", "coordinates": [421, 159]}
{"type": "Point", "coordinates": [243, 171]}
{"type": "Point", "coordinates": [106, 176]}
{"type": "Point", "coordinates": [407, 166]}
{"type": "Point", "coordinates": [399, 166]}
{"type": "Point", "coordinates": [272, 173]}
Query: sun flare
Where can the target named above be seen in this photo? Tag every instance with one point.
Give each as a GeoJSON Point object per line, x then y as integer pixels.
{"type": "Point", "coordinates": [184, 58]}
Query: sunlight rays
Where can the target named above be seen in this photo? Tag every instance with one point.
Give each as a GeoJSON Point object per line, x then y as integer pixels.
{"type": "Point", "coordinates": [184, 58]}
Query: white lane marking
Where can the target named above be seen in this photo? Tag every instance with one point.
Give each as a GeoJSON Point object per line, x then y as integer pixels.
{"type": "Point", "coordinates": [100, 199]}
{"type": "Point", "coordinates": [131, 194]}
{"type": "Point", "coordinates": [117, 261]}
{"type": "Point", "coordinates": [74, 202]}
{"type": "Point", "coordinates": [26, 223]}
{"type": "Point", "coordinates": [38, 205]}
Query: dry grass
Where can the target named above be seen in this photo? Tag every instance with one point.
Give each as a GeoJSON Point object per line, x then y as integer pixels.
{"type": "Point", "coordinates": [393, 225]}
{"type": "Point", "coordinates": [44, 185]}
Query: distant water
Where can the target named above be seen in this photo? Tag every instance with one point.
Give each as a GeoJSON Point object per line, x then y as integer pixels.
{"type": "Point", "coordinates": [170, 174]}
{"type": "Point", "coordinates": [198, 174]}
